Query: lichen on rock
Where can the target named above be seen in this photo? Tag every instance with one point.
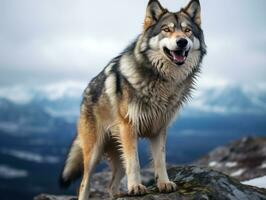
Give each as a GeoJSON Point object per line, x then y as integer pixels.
{"type": "Point", "coordinates": [194, 183]}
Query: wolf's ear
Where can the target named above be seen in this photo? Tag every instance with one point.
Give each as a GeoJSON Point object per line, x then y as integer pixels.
{"type": "Point", "coordinates": [153, 12]}
{"type": "Point", "coordinates": [194, 11]}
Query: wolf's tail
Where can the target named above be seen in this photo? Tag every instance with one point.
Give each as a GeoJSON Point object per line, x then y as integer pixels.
{"type": "Point", "coordinates": [73, 166]}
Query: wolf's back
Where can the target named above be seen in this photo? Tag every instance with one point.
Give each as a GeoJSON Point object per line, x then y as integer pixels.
{"type": "Point", "coordinates": [73, 165]}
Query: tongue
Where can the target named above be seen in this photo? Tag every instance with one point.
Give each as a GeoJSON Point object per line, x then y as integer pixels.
{"type": "Point", "coordinates": [178, 58]}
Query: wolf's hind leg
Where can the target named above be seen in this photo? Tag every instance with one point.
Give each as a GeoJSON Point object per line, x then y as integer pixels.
{"type": "Point", "coordinates": [91, 150]}
{"type": "Point", "coordinates": [158, 154]}
{"type": "Point", "coordinates": [118, 172]}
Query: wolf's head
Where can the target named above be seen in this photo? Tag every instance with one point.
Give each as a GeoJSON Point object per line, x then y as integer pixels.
{"type": "Point", "coordinates": [173, 39]}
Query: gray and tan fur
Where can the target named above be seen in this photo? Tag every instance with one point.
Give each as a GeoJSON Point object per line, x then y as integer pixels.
{"type": "Point", "coordinates": [138, 94]}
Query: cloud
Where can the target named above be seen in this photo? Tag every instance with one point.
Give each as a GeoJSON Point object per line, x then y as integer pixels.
{"type": "Point", "coordinates": [231, 59]}
{"type": "Point", "coordinates": [62, 52]}
{"type": "Point", "coordinates": [50, 41]}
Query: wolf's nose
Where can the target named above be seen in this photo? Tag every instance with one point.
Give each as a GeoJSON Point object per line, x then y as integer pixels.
{"type": "Point", "coordinates": [182, 43]}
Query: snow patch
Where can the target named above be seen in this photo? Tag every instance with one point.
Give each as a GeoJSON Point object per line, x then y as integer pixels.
{"type": "Point", "coordinates": [263, 166]}
{"type": "Point", "coordinates": [231, 164]}
{"type": "Point", "coordinates": [257, 182]}
{"type": "Point", "coordinates": [238, 172]}
{"type": "Point", "coordinates": [29, 156]}
{"type": "Point", "coordinates": [9, 127]}
{"type": "Point", "coordinates": [214, 164]}
{"type": "Point", "coordinates": [9, 172]}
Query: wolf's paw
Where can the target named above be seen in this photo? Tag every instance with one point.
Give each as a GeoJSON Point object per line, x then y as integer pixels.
{"type": "Point", "coordinates": [166, 187]}
{"type": "Point", "coordinates": [137, 190]}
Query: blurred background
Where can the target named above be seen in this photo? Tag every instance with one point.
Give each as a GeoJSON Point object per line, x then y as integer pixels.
{"type": "Point", "coordinates": [50, 50]}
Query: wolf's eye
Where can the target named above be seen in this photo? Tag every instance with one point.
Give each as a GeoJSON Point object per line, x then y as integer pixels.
{"type": "Point", "coordinates": [188, 30]}
{"type": "Point", "coordinates": [166, 29]}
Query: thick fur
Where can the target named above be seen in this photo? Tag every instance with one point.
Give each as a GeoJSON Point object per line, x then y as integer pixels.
{"type": "Point", "coordinates": [137, 94]}
{"type": "Point", "coordinates": [73, 165]}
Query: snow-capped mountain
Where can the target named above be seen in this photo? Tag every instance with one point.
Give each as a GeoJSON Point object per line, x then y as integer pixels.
{"type": "Point", "coordinates": [59, 100]}
{"type": "Point", "coordinates": [63, 99]}
{"type": "Point", "coordinates": [26, 119]}
{"type": "Point", "coordinates": [230, 99]}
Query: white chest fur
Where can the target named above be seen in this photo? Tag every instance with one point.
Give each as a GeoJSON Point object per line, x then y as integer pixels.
{"type": "Point", "coordinates": [153, 109]}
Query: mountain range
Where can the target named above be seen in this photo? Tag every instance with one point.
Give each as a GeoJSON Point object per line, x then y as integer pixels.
{"type": "Point", "coordinates": [63, 99]}
{"type": "Point", "coordinates": [37, 125]}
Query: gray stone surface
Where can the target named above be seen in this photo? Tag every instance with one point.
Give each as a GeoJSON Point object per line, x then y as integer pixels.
{"type": "Point", "coordinates": [243, 159]}
{"type": "Point", "coordinates": [194, 183]}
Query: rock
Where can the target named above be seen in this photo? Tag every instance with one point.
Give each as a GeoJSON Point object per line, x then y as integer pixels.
{"type": "Point", "coordinates": [194, 183]}
{"type": "Point", "coordinates": [100, 182]}
{"type": "Point", "coordinates": [244, 159]}
{"type": "Point", "coordinates": [53, 197]}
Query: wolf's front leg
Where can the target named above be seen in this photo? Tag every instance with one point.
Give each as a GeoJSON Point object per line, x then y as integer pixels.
{"type": "Point", "coordinates": [131, 160]}
{"type": "Point", "coordinates": [158, 154]}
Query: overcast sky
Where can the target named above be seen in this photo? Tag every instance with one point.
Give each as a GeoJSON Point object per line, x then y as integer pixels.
{"type": "Point", "coordinates": [45, 41]}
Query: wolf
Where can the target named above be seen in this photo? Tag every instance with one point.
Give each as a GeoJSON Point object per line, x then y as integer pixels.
{"type": "Point", "coordinates": [137, 95]}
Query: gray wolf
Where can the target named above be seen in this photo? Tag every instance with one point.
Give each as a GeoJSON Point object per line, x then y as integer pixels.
{"type": "Point", "coordinates": [137, 95]}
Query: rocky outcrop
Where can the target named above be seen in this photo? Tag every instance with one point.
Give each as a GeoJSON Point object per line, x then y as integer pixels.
{"type": "Point", "coordinates": [244, 159]}
{"type": "Point", "coordinates": [193, 183]}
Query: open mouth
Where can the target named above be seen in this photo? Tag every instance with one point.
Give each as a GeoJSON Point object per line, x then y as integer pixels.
{"type": "Point", "coordinates": [178, 56]}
